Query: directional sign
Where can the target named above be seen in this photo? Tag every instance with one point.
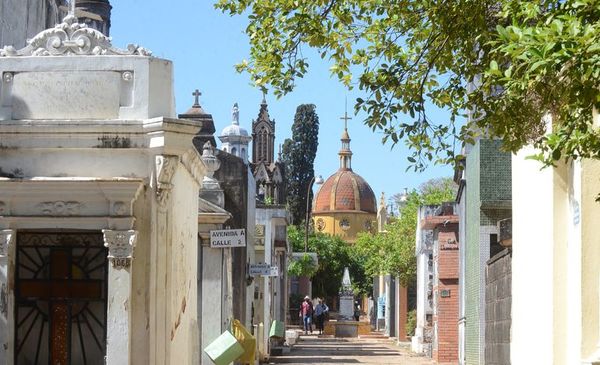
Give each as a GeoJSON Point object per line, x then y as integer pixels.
{"type": "Point", "coordinates": [225, 238]}
{"type": "Point", "coordinates": [274, 271]}
{"type": "Point", "coordinates": [259, 269]}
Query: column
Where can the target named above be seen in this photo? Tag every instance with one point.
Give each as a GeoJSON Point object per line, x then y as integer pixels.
{"type": "Point", "coordinates": [120, 246]}
{"type": "Point", "coordinates": [7, 324]}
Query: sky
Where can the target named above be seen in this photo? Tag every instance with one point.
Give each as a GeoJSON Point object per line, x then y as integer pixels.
{"type": "Point", "coordinates": [205, 44]}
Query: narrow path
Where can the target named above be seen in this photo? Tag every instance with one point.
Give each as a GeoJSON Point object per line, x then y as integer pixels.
{"type": "Point", "coordinates": [337, 351]}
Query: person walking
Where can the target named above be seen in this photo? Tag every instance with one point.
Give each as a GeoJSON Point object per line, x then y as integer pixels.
{"type": "Point", "coordinates": [306, 312]}
{"type": "Point", "coordinates": [320, 311]}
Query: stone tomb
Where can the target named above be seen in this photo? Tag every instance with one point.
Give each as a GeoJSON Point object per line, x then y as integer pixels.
{"type": "Point", "coordinates": [99, 206]}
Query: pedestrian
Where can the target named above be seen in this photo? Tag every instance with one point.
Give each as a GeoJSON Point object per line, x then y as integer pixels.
{"type": "Point", "coordinates": [306, 313]}
{"type": "Point", "coordinates": [320, 311]}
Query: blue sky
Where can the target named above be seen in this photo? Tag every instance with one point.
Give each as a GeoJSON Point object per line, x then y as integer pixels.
{"type": "Point", "coordinates": [204, 45]}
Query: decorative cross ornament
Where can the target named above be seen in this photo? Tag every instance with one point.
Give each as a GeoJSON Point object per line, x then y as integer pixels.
{"type": "Point", "coordinates": [120, 246]}
{"type": "Point", "coordinates": [346, 118]}
{"type": "Point", "coordinates": [196, 94]}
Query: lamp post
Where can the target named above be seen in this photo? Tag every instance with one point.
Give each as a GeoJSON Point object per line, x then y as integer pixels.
{"type": "Point", "coordinates": [319, 181]}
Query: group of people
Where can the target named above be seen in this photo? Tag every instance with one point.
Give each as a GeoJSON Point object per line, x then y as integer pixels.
{"type": "Point", "coordinates": [308, 313]}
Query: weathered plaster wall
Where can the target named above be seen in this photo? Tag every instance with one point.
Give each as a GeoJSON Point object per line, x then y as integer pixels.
{"type": "Point", "coordinates": [183, 331]}
{"type": "Point", "coordinates": [141, 273]}
{"type": "Point", "coordinates": [535, 237]}
{"type": "Point", "coordinates": [590, 216]}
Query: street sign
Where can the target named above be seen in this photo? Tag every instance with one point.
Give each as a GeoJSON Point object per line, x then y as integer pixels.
{"type": "Point", "coordinates": [274, 271]}
{"type": "Point", "coordinates": [259, 269]}
{"type": "Point", "coordinates": [225, 238]}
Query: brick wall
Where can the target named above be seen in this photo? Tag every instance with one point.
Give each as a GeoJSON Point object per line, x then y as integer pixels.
{"type": "Point", "coordinates": [447, 321]}
{"type": "Point", "coordinates": [498, 309]}
{"type": "Point", "coordinates": [447, 294]}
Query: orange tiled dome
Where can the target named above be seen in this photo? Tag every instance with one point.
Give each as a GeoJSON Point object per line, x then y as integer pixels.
{"type": "Point", "coordinates": [344, 191]}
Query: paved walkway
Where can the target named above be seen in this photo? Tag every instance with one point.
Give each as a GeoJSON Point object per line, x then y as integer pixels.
{"type": "Point", "coordinates": [336, 351]}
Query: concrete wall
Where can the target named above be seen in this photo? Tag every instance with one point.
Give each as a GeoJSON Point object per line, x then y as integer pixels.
{"type": "Point", "coordinates": [498, 308]}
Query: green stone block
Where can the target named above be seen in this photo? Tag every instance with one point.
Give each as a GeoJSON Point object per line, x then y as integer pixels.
{"type": "Point", "coordinates": [277, 329]}
{"type": "Point", "coordinates": [225, 349]}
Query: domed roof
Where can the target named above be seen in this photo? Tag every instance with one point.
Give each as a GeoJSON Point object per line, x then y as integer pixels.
{"type": "Point", "coordinates": [234, 130]}
{"type": "Point", "coordinates": [345, 191]}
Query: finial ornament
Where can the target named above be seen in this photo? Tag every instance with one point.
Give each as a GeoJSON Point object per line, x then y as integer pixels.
{"type": "Point", "coordinates": [196, 94]}
{"type": "Point", "coordinates": [71, 38]}
{"type": "Point", "coordinates": [72, 8]}
{"type": "Point", "coordinates": [235, 114]}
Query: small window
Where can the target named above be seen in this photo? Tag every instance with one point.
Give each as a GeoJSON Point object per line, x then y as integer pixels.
{"type": "Point", "coordinates": [234, 151]}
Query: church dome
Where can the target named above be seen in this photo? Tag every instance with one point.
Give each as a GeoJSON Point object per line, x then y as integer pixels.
{"type": "Point", "coordinates": [345, 191]}
{"type": "Point", "coordinates": [234, 130]}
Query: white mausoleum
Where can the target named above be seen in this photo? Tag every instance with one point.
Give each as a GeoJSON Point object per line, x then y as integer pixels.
{"type": "Point", "coordinates": [100, 216]}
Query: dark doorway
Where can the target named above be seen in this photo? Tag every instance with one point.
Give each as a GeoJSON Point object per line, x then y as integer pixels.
{"type": "Point", "coordinates": [60, 294]}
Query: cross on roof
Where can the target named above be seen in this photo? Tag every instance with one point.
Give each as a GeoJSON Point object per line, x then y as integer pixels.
{"type": "Point", "coordinates": [196, 94]}
{"type": "Point", "coordinates": [346, 118]}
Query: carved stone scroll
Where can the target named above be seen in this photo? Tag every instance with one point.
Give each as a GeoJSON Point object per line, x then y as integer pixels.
{"type": "Point", "coordinates": [7, 237]}
{"type": "Point", "coordinates": [165, 169]}
{"type": "Point", "coordinates": [120, 246]}
{"type": "Point", "coordinates": [71, 38]}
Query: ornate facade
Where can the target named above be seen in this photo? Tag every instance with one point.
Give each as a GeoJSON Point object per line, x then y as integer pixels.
{"type": "Point", "coordinates": [268, 172]}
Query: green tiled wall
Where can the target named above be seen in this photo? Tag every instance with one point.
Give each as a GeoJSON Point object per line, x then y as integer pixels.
{"type": "Point", "coordinates": [488, 174]}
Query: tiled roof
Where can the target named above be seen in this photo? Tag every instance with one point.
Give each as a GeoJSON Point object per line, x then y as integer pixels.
{"type": "Point", "coordinates": [345, 191]}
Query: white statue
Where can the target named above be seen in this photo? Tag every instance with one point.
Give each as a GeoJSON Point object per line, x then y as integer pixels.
{"type": "Point", "coordinates": [235, 114]}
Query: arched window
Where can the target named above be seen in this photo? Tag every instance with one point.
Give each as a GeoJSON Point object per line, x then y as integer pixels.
{"type": "Point", "coordinates": [225, 149]}
{"type": "Point", "coordinates": [243, 153]}
{"type": "Point", "coordinates": [234, 151]}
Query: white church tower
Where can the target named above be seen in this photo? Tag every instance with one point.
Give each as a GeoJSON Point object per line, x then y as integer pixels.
{"type": "Point", "coordinates": [234, 138]}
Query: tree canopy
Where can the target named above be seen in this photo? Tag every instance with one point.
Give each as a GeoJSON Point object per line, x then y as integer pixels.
{"type": "Point", "coordinates": [497, 67]}
{"type": "Point", "coordinates": [298, 155]}
{"type": "Point", "coordinates": [393, 251]}
{"type": "Point", "coordinates": [334, 255]}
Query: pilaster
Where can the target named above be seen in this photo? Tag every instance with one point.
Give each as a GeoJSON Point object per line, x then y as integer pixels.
{"type": "Point", "coordinates": [120, 246]}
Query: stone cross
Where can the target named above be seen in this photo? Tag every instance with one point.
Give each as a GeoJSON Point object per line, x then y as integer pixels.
{"type": "Point", "coordinates": [196, 94]}
{"type": "Point", "coordinates": [346, 118]}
